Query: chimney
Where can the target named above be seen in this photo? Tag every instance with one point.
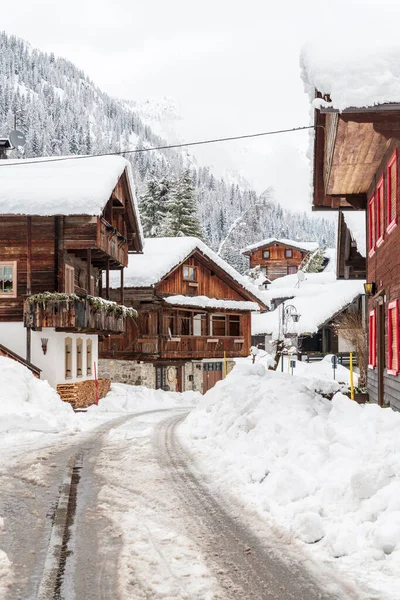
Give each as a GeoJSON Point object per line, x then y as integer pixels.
{"type": "Point", "coordinates": [4, 146]}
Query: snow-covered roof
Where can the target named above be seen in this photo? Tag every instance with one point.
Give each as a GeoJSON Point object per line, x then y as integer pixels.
{"type": "Point", "coordinates": [361, 76]}
{"type": "Point", "coordinates": [355, 221]}
{"type": "Point", "coordinates": [206, 302]}
{"type": "Point", "coordinates": [161, 255]}
{"type": "Point", "coordinates": [71, 186]}
{"type": "Point", "coordinates": [306, 246]}
{"type": "Point", "coordinates": [317, 299]}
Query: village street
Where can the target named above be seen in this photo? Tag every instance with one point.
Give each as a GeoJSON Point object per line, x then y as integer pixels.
{"type": "Point", "coordinates": [141, 524]}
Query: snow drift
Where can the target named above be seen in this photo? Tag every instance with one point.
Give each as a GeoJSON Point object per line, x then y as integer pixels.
{"type": "Point", "coordinates": [327, 472]}
{"type": "Point", "coordinates": [30, 404]}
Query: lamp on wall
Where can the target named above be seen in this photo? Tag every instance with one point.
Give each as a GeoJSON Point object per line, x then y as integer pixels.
{"type": "Point", "coordinates": [44, 344]}
{"type": "Point", "coordinates": [370, 288]}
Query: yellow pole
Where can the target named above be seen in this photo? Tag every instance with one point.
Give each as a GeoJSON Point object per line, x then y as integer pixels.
{"type": "Point", "coordinates": [224, 364]}
{"type": "Point", "coordinates": [351, 377]}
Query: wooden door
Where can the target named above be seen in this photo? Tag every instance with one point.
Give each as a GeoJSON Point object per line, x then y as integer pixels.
{"type": "Point", "coordinates": [212, 372]}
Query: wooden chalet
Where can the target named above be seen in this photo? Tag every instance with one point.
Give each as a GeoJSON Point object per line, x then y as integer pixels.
{"type": "Point", "coordinates": [194, 309]}
{"type": "Point", "coordinates": [278, 258]}
{"type": "Point", "coordinates": [63, 224]}
{"type": "Point", "coordinates": [356, 167]}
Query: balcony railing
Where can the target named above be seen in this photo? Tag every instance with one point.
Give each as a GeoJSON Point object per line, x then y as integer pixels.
{"type": "Point", "coordinates": [112, 242]}
{"type": "Point", "coordinates": [203, 347]}
{"type": "Point", "coordinates": [69, 312]}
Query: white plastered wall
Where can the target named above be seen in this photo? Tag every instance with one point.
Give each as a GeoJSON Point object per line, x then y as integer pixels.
{"type": "Point", "coordinates": [52, 364]}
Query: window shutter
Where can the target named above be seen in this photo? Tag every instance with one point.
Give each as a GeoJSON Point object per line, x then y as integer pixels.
{"type": "Point", "coordinates": [372, 339]}
{"type": "Point", "coordinates": [393, 338]}
{"type": "Point", "coordinates": [372, 225]}
{"type": "Point", "coordinates": [392, 192]}
{"type": "Point", "coordinates": [380, 211]}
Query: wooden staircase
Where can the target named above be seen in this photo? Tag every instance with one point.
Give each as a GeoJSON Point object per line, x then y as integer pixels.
{"type": "Point", "coordinates": [68, 392]}
{"type": "Point", "coordinates": [4, 351]}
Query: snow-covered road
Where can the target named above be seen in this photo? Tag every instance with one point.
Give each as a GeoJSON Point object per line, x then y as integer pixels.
{"type": "Point", "coordinates": [144, 526]}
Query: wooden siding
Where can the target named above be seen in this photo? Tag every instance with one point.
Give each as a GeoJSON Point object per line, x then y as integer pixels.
{"type": "Point", "coordinates": [149, 338]}
{"type": "Point", "coordinates": [383, 268]}
{"type": "Point", "coordinates": [277, 264]}
{"type": "Point", "coordinates": [208, 283]}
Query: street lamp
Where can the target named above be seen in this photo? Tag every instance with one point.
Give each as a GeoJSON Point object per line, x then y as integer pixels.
{"type": "Point", "coordinates": [289, 312]}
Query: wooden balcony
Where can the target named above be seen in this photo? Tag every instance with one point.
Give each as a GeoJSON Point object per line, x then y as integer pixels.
{"type": "Point", "coordinates": [203, 347]}
{"type": "Point", "coordinates": [71, 313]}
{"type": "Point", "coordinates": [112, 242]}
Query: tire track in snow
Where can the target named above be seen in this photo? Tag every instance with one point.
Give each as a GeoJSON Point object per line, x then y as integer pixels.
{"type": "Point", "coordinates": [244, 565]}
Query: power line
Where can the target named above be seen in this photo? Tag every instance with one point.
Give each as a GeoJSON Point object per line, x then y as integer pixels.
{"type": "Point", "coordinates": [168, 147]}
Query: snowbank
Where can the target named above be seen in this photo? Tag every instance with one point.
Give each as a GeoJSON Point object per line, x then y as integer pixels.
{"type": "Point", "coordinates": [30, 404]}
{"type": "Point", "coordinates": [327, 472]}
{"type": "Point", "coordinates": [131, 398]}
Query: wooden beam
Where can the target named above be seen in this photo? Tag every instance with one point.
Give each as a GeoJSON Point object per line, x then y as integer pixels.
{"type": "Point", "coordinates": [29, 257]}
{"type": "Point", "coordinates": [107, 279]}
{"type": "Point", "coordinates": [122, 286]}
{"type": "Point", "coordinates": [89, 269]}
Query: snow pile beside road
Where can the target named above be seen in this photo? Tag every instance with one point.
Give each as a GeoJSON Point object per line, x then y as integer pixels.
{"type": "Point", "coordinates": [30, 404]}
{"type": "Point", "coordinates": [5, 572]}
{"type": "Point", "coordinates": [328, 472]}
{"type": "Point", "coordinates": [130, 398]}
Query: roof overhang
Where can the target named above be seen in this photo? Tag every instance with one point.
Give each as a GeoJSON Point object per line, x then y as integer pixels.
{"type": "Point", "coordinates": [349, 147]}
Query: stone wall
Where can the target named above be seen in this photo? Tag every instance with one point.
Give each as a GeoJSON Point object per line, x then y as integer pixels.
{"type": "Point", "coordinates": [128, 371]}
{"type": "Point", "coordinates": [194, 369]}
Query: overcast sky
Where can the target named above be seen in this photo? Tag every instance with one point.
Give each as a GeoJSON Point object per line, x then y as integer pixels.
{"type": "Point", "coordinates": [231, 67]}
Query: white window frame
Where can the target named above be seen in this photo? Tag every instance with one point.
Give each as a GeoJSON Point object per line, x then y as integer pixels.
{"type": "Point", "coordinates": [13, 265]}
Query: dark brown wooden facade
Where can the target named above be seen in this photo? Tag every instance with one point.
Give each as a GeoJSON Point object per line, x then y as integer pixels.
{"type": "Point", "coordinates": [276, 259]}
{"type": "Point", "coordinates": [65, 254]}
{"type": "Point", "coordinates": [350, 263]}
{"type": "Point", "coordinates": [166, 332]}
{"type": "Point", "coordinates": [356, 166]}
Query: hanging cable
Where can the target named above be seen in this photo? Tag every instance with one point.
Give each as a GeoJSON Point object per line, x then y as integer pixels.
{"type": "Point", "coordinates": [166, 147]}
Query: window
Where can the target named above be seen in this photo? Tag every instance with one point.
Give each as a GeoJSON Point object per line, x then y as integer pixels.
{"type": "Point", "coordinates": [392, 193]}
{"type": "Point", "coordinates": [79, 357]}
{"type": "Point", "coordinates": [69, 279]}
{"type": "Point", "coordinates": [266, 254]}
{"type": "Point", "coordinates": [372, 339]}
{"type": "Point", "coordinates": [234, 325]}
{"type": "Point", "coordinates": [68, 358]}
{"type": "Point", "coordinates": [8, 279]}
{"type": "Point", "coordinates": [371, 226]}
{"type": "Point", "coordinates": [393, 337]}
{"type": "Point", "coordinates": [189, 273]}
{"type": "Point", "coordinates": [288, 253]}
{"type": "Point", "coordinates": [264, 271]}
{"type": "Point", "coordinates": [88, 357]}
{"type": "Point", "coordinates": [380, 217]}
{"type": "Point", "coordinates": [218, 325]}
{"type": "Point", "coordinates": [291, 270]}
{"type": "Point", "coordinates": [199, 324]}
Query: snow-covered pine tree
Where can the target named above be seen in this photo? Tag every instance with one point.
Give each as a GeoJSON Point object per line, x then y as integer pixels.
{"type": "Point", "coordinates": [315, 261]}
{"type": "Point", "coordinates": [181, 218]}
{"type": "Point", "coordinates": [153, 206]}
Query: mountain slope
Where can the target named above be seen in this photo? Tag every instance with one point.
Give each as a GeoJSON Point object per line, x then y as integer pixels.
{"type": "Point", "coordinates": [62, 112]}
